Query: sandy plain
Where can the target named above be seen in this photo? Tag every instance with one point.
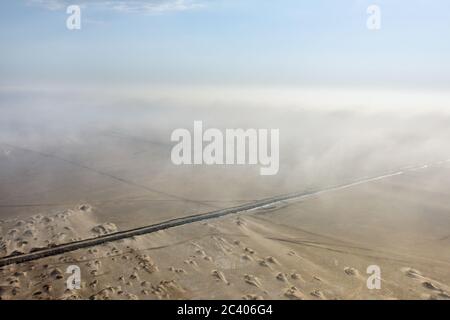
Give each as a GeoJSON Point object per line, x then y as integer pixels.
{"type": "Point", "coordinates": [72, 175]}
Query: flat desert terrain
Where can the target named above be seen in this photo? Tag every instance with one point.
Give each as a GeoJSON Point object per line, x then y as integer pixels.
{"type": "Point", "coordinates": [377, 193]}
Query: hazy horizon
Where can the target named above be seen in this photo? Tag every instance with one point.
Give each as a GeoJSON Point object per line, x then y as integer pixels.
{"type": "Point", "coordinates": [218, 42]}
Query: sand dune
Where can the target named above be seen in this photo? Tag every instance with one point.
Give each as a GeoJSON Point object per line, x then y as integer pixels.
{"type": "Point", "coordinates": [389, 207]}
{"type": "Point", "coordinates": [254, 255]}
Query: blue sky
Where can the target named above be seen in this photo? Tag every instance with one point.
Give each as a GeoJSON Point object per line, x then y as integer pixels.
{"type": "Point", "coordinates": [285, 42]}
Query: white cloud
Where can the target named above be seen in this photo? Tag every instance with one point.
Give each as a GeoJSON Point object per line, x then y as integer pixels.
{"type": "Point", "coordinates": [133, 6]}
{"type": "Point", "coordinates": [49, 4]}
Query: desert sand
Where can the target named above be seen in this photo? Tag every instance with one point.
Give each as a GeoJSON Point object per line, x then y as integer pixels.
{"type": "Point", "coordinates": [315, 248]}
{"type": "Point", "coordinates": [79, 172]}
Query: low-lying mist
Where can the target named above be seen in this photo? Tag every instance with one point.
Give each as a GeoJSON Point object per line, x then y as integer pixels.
{"type": "Point", "coordinates": [68, 146]}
